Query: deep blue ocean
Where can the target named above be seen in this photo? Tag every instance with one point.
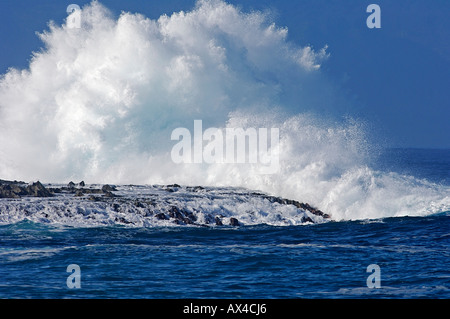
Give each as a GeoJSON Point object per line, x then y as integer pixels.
{"type": "Point", "coordinates": [327, 260]}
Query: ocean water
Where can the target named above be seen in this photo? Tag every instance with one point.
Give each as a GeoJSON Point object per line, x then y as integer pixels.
{"type": "Point", "coordinates": [328, 259]}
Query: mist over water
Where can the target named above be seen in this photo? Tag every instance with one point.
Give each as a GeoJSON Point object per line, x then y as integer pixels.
{"type": "Point", "coordinates": [99, 104]}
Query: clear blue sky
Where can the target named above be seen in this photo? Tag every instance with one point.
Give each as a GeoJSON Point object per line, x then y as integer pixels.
{"type": "Point", "coordinates": [396, 77]}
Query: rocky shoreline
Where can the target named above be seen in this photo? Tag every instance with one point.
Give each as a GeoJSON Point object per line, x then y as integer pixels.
{"type": "Point", "coordinates": [155, 206]}
{"type": "Point", "coordinates": [15, 189]}
{"type": "Point", "coordinates": [18, 189]}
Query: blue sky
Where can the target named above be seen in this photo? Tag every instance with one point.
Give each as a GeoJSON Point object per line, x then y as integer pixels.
{"type": "Point", "coordinates": [396, 78]}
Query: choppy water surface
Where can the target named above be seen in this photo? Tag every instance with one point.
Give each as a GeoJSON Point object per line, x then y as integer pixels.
{"type": "Point", "coordinates": [317, 261]}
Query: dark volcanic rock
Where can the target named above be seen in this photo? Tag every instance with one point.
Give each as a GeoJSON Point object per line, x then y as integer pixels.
{"type": "Point", "coordinates": [38, 190]}
{"type": "Point", "coordinates": [181, 216]}
{"type": "Point", "coordinates": [5, 182]}
{"type": "Point", "coordinates": [109, 188]}
{"type": "Point", "coordinates": [171, 188]}
{"type": "Point", "coordinates": [307, 220]}
{"type": "Point", "coordinates": [195, 188]}
{"type": "Point", "coordinates": [8, 191]}
{"type": "Point", "coordinates": [304, 206]}
{"type": "Point", "coordinates": [234, 221]}
{"type": "Point", "coordinates": [16, 189]}
{"type": "Point", "coordinates": [139, 204]}
{"type": "Point", "coordinates": [108, 194]}
{"type": "Point", "coordinates": [122, 220]}
{"type": "Point", "coordinates": [79, 193]}
{"type": "Point", "coordinates": [78, 190]}
{"type": "Point", "coordinates": [218, 221]}
{"type": "Point", "coordinates": [161, 216]}
{"type": "Point", "coordinates": [55, 190]}
{"type": "Point", "coordinates": [174, 212]}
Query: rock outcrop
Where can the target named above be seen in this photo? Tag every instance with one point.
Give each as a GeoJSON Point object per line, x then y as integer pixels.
{"type": "Point", "coordinates": [181, 205]}
{"type": "Point", "coordinates": [234, 222]}
{"type": "Point", "coordinates": [15, 189]}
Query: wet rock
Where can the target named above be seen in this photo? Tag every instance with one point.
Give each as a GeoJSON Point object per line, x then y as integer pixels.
{"type": "Point", "coordinates": [11, 191]}
{"type": "Point", "coordinates": [174, 212]}
{"type": "Point", "coordinates": [38, 190]}
{"type": "Point", "coordinates": [306, 219]}
{"type": "Point", "coordinates": [313, 210]}
{"type": "Point", "coordinates": [17, 189]}
{"type": "Point", "coordinates": [218, 221]}
{"type": "Point", "coordinates": [171, 188]}
{"type": "Point", "coordinates": [55, 190]}
{"type": "Point", "coordinates": [6, 192]}
{"type": "Point", "coordinates": [122, 220]}
{"type": "Point", "coordinates": [304, 206]}
{"type": "Point", "coordinates": [5, 182]}
{"type": "Point", "coordinates": [161, 216]}
{"type": "Point", "coordinates": [178, 222]}
{"type": "Point", "coordinates": [234, 222]}
{"type": "Point", "coordinates": [109, 188]}
{"type": "Point", "coordinates": [188, 221]}
{"type": "Point", "coordinates": [195, 189]}
{"type": "Point", "coordinates": [108, 194]}
{"type": "Point", "coordinates": [181, 216]}
{"type": "Point", "coordinates": [71, 184]}
{"type": "Point", "coordinates": [190, 216]}
{"type": "Point", "coordinates": [79, 193]}
{"type": "Point", "coordinates": [82, 184]}
{"type": "Point", "coordinates": [139, 204]}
